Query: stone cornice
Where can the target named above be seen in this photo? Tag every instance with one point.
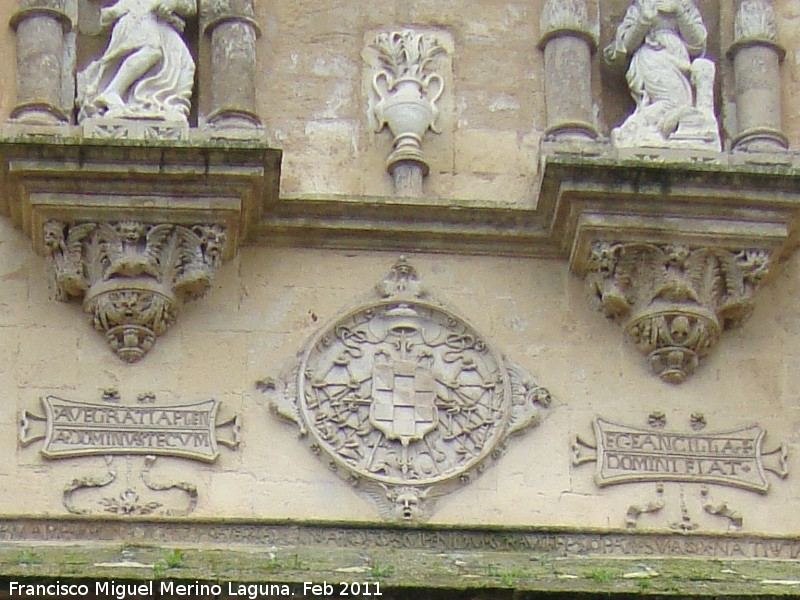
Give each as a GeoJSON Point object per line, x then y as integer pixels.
{"type": "Point", "coordinates": [434, 557]}
{"type": "Point", "coordinates": [134, 229]}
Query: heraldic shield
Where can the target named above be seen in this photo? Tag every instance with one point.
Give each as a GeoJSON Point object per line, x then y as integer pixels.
{"type": "Point", "coordinates": [406, 400]}
{"type": "Point", "coordinates": [403, 399]}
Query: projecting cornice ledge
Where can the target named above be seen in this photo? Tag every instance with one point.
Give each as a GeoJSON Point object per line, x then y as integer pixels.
{"type": "Point", "coordinates": [673, 245]}
{"type": "Point", "coordinates": [135, 227]}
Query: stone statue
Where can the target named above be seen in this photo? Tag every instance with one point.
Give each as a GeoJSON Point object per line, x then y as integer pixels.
{"type": "Point", "coordinates": [673, 92]}
{"type": "Point", "coordinates": [146, 71]}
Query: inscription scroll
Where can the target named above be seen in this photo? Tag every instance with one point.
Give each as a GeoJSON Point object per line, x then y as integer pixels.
{"type": "Point", "coordinates": [625, 454]}
{"type": "Point", "coordinates": [83, 429]}
{"type": "Point", "coordinates": [125, 435]}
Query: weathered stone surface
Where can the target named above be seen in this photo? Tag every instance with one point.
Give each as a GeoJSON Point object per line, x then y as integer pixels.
{"type": "Point", "coordinates": [756, 56]}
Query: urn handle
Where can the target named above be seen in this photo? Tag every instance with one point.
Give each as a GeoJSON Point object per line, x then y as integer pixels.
{"type": "Point", "coordinates": [434, 77]}
{"type": "Point", "coordinates": [383, 95]}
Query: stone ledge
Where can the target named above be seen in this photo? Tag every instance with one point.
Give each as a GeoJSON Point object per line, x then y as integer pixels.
{"type": "Point", "coordinates": [733, 198]}
{"type": "Point", "coordinates": [158, 181]}
{"type": "Point", "coordinates": [438, 558]}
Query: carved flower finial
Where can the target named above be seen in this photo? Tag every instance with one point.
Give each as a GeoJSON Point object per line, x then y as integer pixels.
{"type": "Point", "coordinates": [407, 54]}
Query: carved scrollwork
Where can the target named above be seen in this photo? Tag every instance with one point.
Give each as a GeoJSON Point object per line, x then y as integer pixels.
{"type": "Point", "coordinates": [407, 400]}
{"type": "Point", "coordinates": [674, 300]}
{"type": "Point", "coordinates": [133, 276]}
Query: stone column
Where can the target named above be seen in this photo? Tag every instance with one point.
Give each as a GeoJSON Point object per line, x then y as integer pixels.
{"type": "Point", "coordinates": [568, 41]}
{"type": "Point", "coordinates": [42, 28]}
{"type": "Point", "coordinates": [756, 56]}
{"type": "Point", "coordinates": [233, 31]}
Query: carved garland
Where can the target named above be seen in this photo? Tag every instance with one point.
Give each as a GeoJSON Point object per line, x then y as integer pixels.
{"type": "Point", "coordinates": [674, 300]}
{"type": "Point", "coordinates": [133, 276]}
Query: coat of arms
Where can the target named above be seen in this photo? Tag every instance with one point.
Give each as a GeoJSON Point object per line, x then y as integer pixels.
{"type": "Point", "coordinates": [406, 399]}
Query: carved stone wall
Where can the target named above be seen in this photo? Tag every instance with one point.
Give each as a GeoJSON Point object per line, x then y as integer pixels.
{"type": "Point", "coordinates": [523, 237]}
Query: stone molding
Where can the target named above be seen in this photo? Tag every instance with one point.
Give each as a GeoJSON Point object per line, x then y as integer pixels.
{"type": "Point", "coordinates": [406, 400]}
{"type": "Point", "coordinates": [437, 561]}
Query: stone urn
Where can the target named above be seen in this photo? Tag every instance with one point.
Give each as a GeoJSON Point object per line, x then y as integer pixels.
{"type": "Point", "coordinates": [408, 108]}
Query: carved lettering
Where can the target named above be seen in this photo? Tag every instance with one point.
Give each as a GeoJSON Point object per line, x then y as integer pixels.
{"type": "Point", "coordinates": [626, 454]}
{"type": "Point", "coordinates": [79, 429]}
{"type": "Point", "coordinates": [266, 535]}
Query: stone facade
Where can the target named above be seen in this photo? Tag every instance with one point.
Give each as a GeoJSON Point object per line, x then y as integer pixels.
{"type": "Point", "coordinates": [235, 256]}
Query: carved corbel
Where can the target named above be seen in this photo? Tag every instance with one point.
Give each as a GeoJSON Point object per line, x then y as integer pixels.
{"type": "Point", "coordinates": [133, 277]}
{"type": "Point", "coordinates": [675, 300]}
{"type": "Point", "coordinates": [406, 89]}
{"type": "Point", "coordinates": [756, 56]}
{"type": "Point", "coordinates": [569, 37]}
{"type": "Point", "coordinates": [45, 61]}
{"type": "Point", "coordinates": [233, 30]}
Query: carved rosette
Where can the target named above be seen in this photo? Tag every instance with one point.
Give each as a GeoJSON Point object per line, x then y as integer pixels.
{"type": "Point", "coordinates": [674, 300]}
{"type": "Point", "coordinates": [406, 400]}
{"type": "Point", "coordinates": [407, 89]}
{"type": "Point", "coordinates": [133, 276]}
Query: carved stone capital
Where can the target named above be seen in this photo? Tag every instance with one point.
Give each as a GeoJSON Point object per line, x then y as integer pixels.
{"type": "Point", "coordinates": [755, 22]}
{"type": "Point", "coordinates": [62, 11]}
{"type": "Point", "coordinates": [132, 276]}
{"type": "Point", "coordinates": [567, 17]}
{"type": "Point", "coordinates": [675, 300]}
{"type": "Point", "coordinates": [216, 12]}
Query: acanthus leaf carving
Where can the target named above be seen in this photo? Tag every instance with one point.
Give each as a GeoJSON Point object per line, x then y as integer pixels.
{"type": "Point", "coordinates": [133, 276]}
{"type": "Point", "coordinates": [755, 20]}
{"type": "Point", "coordinates": [405, 400]}
{"type": "Point", "coordinates": [572, 15]}
{"type": "Point", "coordinates": [674, 301]}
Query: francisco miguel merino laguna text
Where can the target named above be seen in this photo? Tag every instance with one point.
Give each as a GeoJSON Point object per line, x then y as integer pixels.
{"type": "Point", "coordinates": [121, 591]}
